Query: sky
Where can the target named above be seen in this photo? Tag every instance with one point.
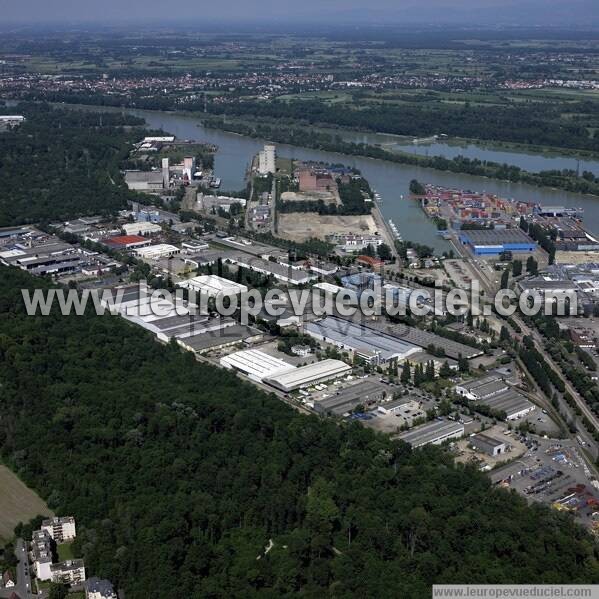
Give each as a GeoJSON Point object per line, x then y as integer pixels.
{"type": "Point", "coordinates": [467, 12]}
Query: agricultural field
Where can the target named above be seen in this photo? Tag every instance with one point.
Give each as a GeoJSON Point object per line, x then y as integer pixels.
{"type": "Point", "coordinates": [18, 503]}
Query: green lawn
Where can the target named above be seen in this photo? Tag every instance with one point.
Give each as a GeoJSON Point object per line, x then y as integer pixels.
{"type": "Point", "coordinates": [65, 552]}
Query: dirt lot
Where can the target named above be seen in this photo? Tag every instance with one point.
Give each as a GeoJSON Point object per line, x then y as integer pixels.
{"type": "Point", "coordinates": [328, 197]}
{"type": "Point", "coordinates": [515, 448]}
{"type": "Point", "coordinates": [576, 257]}
{"type": "Point", "coordinates": [18, 503]}
{"type": "Point", "coordinates": [302, 226]}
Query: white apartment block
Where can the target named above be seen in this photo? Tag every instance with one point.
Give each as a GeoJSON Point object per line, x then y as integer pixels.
{"type": "Point", "coordinates": [41, 554]}
{"type": "Point", "coordinates": [267, 160]}
{"type": "Point", "coordinates": [71, 571]}
{"type": "Point", "coordinates": [60, 529]}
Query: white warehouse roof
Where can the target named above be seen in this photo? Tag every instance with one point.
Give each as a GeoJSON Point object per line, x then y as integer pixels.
{"type": "Point", "coordinates": [141, 228]}
{"type": "Point", "coordinates": [329, 288]}
{"type": "Point", "coordinates": [213, 285]}
{"type": "Point", "coordinates": [255, 364]}
{"type": "Point", "coordinates": [310, 374]}
{"type": "Point", "coordinates": [155, 252]}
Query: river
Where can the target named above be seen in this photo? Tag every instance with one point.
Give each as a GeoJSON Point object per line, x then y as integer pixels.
{"type": "Point", "coordinates": [391, 180]}
{"type": "Point", "coordinates": [530, 161]}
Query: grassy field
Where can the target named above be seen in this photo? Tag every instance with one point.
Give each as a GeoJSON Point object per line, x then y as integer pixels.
{"type": "Point", "coordinates": [65, 552]}
{"type": "Point", "coordinates": [18, 503]}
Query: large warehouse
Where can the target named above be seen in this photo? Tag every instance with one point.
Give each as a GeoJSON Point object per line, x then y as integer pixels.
{"type": "Point", "coordinates": [495, 241]}
{"type": "Point", "coordinates": [213, 286]}
{"type": "Point", "coordinates": [255, 364]}
{"type": "Point", "coordinates": [434, 432]}
{"type": "Point", "coordinates": [511, 402]}
{"type": "Point", "coordinates": [482, 388]}
{"type": "Point", "coordinates": [158, 251]}
{"type": "Point", "coordinates": [364, 393]}
{"type": "Point", "coordinates": [308, 375]}
{"type": "Point", "coordinates": [496, 394]}
{"type": "Point", "coordinates": [424, 339]}
{"type": "Point", "coordinates": [372, 346]}
{"type": "Point", "coordinates": [221, 338]}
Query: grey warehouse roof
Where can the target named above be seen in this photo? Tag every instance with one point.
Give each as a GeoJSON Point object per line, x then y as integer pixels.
{"type": "Point", "coordinates": [359, 337]}
{"type": "Point", "coordinates": [431, 431]}
{"type": "Point", "coordinates": [496, 236]}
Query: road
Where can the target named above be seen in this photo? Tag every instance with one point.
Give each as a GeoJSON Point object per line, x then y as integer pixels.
{"type": "Point", "coordinates": [383, 229]}
{"type": "Point", "coordinates": [584, 408]}
{"type": "Point", "coordinates": [23, 586]}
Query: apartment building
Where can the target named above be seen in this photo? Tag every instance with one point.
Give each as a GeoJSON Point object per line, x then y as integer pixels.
{"type": "Point", "coordinates": [71, 571]}
{"type": "Point", "coordinates": [60, 529]}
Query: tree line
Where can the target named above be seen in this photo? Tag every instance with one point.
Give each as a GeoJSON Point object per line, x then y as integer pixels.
{"type": "Point", "coordinates": [181, 475]}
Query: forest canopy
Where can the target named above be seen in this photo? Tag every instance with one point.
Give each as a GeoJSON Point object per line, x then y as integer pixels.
{"type": "Point", "coordinates": [60, 164]}
{"type": "Point", "coordinates": [180, 475]}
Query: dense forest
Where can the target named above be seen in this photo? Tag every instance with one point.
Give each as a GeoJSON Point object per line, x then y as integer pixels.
{"type": "Point", "coordinates": [534, 123]}
{"type": "Point", "coordinates": [61, 164]}
{"type": "Point", "coordinates": [180, 475]}
{"type": "Point", "coordinates": [549, 123]}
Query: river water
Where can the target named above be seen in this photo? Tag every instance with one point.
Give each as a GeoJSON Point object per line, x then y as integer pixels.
{"type": "Point", "coordinates": [389, 179]}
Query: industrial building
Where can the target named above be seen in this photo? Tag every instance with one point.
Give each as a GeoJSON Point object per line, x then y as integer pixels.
{"type": "Point", "coordinates": [328, 289]}
{"type": "Point", "coordinates": [255, 364]}
{"type": "Point", "coordinates": [126, 242]}
{"type": "Point", "coordinates": [544, 285]}
{"type": "Point", "coordinates": [495, 241]}
{"type": "Point", "coordinates": [326, 269]}
{"type": "Point", "coordinates": [308, 375]}
{"type": "Point", "coordinates": [407, 408]}
{"type": "Point", "coordinates": [482, 388]}
{"type": "Point", "coordinates": [351, 242]}
{"type": "Point", "coordinates": [150, 181]}
{"type": "Point", "coordinates": [222, 338]}
{"type": "Point", "coordinates": [425, 339]}
{"type": "Point", "coordinates": [365, 393]}
{"type": "Point", "coordinates": [372, 346]}
{"type": "Point", "coordinates": [496, 394]}
{"type": "Point", "coordinates": [557, 211]}
{"type": "Point", "coordinates": [361, 281]}
{"type": "Point", "coordinates": [141, 228]}
{"type": "Point", "coordinates": [163, 318]}
{"type": "Point", "coordinates": [210, 203]}
{"type": "Point", "coordinates": [254, 248]}
{"type": "Point", "coordinates": [292, 275]}
{"type": "Point", "coordinates": [486, 444]}
{"type": "Point", "coordinates": [213, 286]}
{"type": "Point", "coordinates": [9, 121]}
{"type": "Point", "coordinates": [434, 433]}
{"type": "Point", "coordinates": [512, 403]}
{"type": "Point", "coordinates": [158, 251]}
{"type": "Point", "coordinates": [49, 257]}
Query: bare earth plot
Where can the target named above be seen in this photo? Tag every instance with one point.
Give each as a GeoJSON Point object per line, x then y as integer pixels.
{"type": "Point", "coordinates": [18, 503]}
{"type": "Point", "coordinates": [302, 226]}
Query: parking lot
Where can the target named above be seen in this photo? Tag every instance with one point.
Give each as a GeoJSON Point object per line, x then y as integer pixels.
{"type": "Point", "coordinates": [553, 473]}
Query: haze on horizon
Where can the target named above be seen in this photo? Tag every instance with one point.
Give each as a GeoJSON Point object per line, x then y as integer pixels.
{"type": "Point", "coordinates": [552, 13]}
